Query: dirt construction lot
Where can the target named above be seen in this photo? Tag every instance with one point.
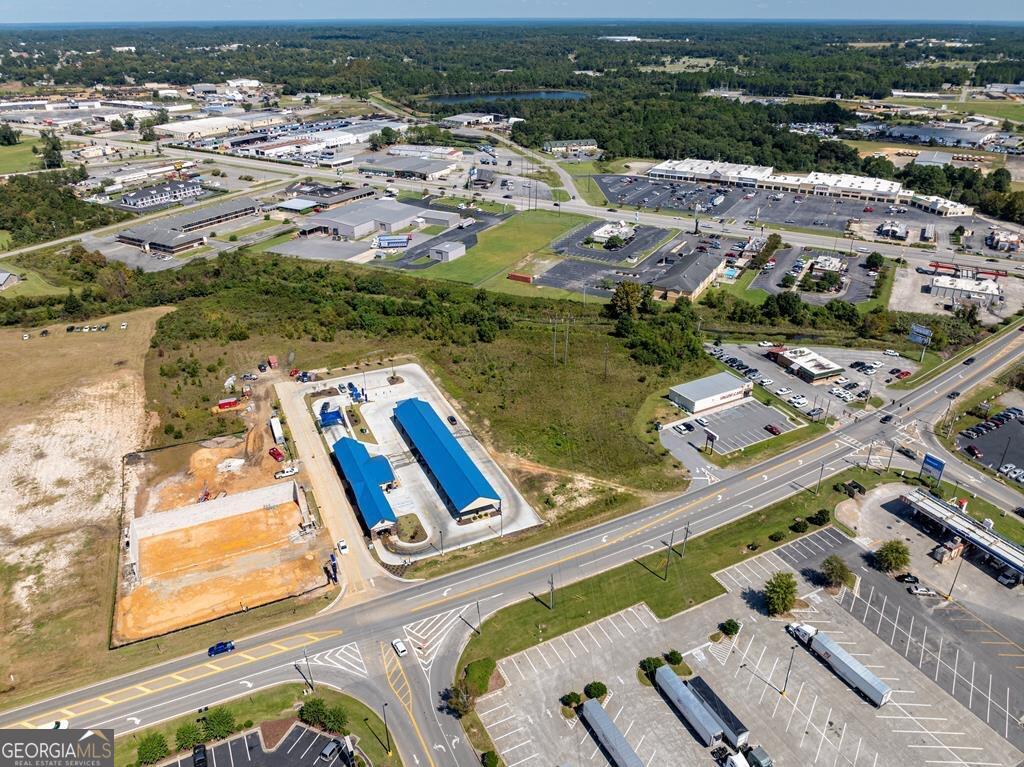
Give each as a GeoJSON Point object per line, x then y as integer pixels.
{"type": "Point", "coordinates": [73, 405]}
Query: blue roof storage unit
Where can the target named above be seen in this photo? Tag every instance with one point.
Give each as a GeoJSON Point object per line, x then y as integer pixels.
{"type": "Point", "coordinates": [457, 476]}
{"type": "Point", "coordinates": [688, 705]}
{"type": "Point", "coordinates": [608, 735]}
{"type": "Point", "coordinates": [365, 475]}
{"type": "Point", "coordinates": [330, 418]}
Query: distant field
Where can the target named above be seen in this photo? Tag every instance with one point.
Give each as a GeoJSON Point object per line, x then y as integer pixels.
{"type": "Point", "coordinates": [499, 248]}
{"type": "Point", "coordinates": [18, 158]}
{"type": "Point", "coordinates": [890, 147]}
{"type": "Point", "coordinates": [5, 239]}
{"type": "Point", "coordinates": [685, 64]}
{"type": "Point", "coordinates": [1003, 110]}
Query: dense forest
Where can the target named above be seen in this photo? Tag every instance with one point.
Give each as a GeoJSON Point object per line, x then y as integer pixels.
{"type": "Point", "coordinates": [41, 207]}
{"type": "Point", "coordinates": [407, 60]}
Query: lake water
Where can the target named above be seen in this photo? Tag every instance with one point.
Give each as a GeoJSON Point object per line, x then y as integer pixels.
{"type": "Point", "coordinates": [515, 96]}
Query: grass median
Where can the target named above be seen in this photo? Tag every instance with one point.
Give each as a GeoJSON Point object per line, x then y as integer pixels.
{"type": "Point", "coordinates": [687, 583]}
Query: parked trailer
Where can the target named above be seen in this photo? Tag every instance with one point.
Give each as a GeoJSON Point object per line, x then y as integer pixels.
{"type": "Point", "coordinates": [608, 735]}
{"type": "Point", "coordinates": [734, 731]}
{"type": "Point", "coordinates": [393, 241]}
{"type": "Point", "coordinates": [846, 667]}
{"type": "Point", "coordinates": [688, 705]}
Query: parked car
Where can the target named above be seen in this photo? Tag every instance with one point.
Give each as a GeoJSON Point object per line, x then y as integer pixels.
{"type": "Point", "coordinates": [1006, 468]}
{"type": "Point", "coordinates": [328, 752]}
{"type": "Point", "coordinates": [891, 353]}
{"type": "Point", "coordinates": [451, 420]}
{"type": "Point", "coordinates": [907, 578]}
{"type": "Point", "coordinates": [773, 429]}
{"type": "Point", "coordinates": [701, 422]}
{"type": "Point", "coordinates": [766, 382]}
{"type": "Point", "coordinates": [969, 361]}
{"type": "Point", "coordinates": [262, 367]}
{"type": "Point", "coordinates": [400, 649]}
{"type": "Point", "coordinates": [220, 648]}
{"type": "Point", "coordinates": [765, 344]}
{"type": "Point", "coordinates": [199, 755]}
{"type": "Point", "coordinates": [688, 426]}
{"type": "Point", "coordinates": [293, 372]}
{"type": "Point", "coordinates": [783, 391]}
{"type": "Point", "coordinates": [276, 454]}
{"type": "Point", "coordinates": [289, 471]}
{"type": "Point", "coordinates": [903, 374]}
{"type": "Point", "coordinates": [974, 452]}
{"type": "Point", "coordinates": [921, 591]}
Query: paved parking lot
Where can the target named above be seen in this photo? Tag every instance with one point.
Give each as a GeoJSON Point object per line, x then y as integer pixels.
{"type": "Point", "coordinates": [812, 212]}
{"type": "Point", "coordinates": [301, 747]}
{"type": "Point", "coordinates": [820, 720]}
{"type": "Point", "coordinates": [645, 239]}
{"type": "Point", "coordinates": [998, 447]}
{"type": "Point", "coordinates": [741, 426]}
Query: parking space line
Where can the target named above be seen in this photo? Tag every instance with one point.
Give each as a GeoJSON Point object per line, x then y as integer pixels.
{"type": "Point", "coordinates": [611, 620]}
{"type": "Point", "coordinates": [513, 732]}
{"type": "Point", "coordinates": [311, 743]}
{"type": "Point", "coordinates": [606, 635]}
{"type": "Point", "coordinates": [567, 647]}
{"type": "Point", "coordinates": [592, 636]}
{"type": "Point", "coordinates": [302, 734]}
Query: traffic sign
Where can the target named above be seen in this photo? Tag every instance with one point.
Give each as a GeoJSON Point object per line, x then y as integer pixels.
{"type": "Point", "coordinates": [932, 467]}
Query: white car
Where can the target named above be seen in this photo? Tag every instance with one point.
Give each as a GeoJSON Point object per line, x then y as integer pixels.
{"type": "Point", "coordinates": [400, 649]}
{"type": "Point", "coordinates": [765, 344]}
{"type": "Point", "coordinates": [342, 546]}
{"type": "Point", "coordinates": [783, 391]}
{"type": "Point", "coordinates": [124, 326]}
{"type": "Point", "coordinates": [863, 250]}
{"type": "Point", "coordinates": [842, 380]}
{"type": "Point", "coordinates": [891, 353]}
{"type": "Point", "coordinates": [289, 471]}
{"type": "Point", "coordinates": [1006, 468]}
{"type": "Point", "coordinates": [799, 402]}
{"type": "Point", "coordinates": [701, 422]}
{"type": "Point", "coordinates": [766, 382]}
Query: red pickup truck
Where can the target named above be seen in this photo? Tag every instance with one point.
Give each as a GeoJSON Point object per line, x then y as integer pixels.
{"type": "Point", "coordinates": [276, 454]}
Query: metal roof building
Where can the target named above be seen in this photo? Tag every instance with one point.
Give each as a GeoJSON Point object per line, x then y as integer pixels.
{"type": "Point", "coordinates": [711, 392]}
{"type": "Point", "coordinates": [365, 475]}
{"type": "Point", "coordinates": [609, 736]}
{"type": "Point", "coordinates": [934, 159]}
{"type": "Point", "coordinates": [457, 477]}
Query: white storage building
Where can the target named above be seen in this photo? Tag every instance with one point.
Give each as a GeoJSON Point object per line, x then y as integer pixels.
{"type": "Point", "coordinates": [711, 393]}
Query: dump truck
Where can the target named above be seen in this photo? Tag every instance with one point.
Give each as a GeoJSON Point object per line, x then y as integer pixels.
{"type": "Point", "coordinates": [846, 667]}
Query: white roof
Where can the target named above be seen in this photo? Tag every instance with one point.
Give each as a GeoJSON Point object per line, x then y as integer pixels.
{"type": "Point", "coordinates": [855, 183]}
{"type": "Point", "coordinates": [985, 287]}
{"type": "Point", "coordinates": [710, 167]}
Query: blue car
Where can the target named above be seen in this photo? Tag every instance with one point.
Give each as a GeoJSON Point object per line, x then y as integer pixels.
{"type": "Point", "coordinates": [220, 648]}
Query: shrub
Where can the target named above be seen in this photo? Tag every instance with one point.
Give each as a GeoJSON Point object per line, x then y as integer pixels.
{"type": "Point", "coordinates": [247, 724]}
{"type": "Point", "coordinates": [800, 526]}
{"type": "Point", "coordinates": [780, 593]}
{"type": "Point", "coordinates": [233, 238]}
{"type": "Point", "coordinates": [778, 535]}
{"type": "Point", "coordinates": [335, 720]}
{"type": "Point", "coordinates": [458, 699]}
{"type": "Point", "coordinates": [821, 517]}
{"type": "Point", "coordinates": [647, 665]}
{"type": "Point", "coordinates": [730, 627]}
{"type": "Point", "coordinates": [673, 657]}
{"type": "Point", "coordinates": [571, 699]}
{"type": "Point", "coordinates": [835, 570]}
{"type": "Point", "coordinates": [892, 555]}
{"type": "Point", "coordinates": [313, 712]}
{"type": "Point", "coordinates": [478, 675]}
{"type": "Point", "coordinates": [188, 736]}
{"type": "Point", "coordinates": [220, 723]}
{"type": "Point", "coordinates": [152, 748]}
{"type": "Point", "coordinates": [595, 690]}
{"type": "Point", "coordinates": [489, 759]}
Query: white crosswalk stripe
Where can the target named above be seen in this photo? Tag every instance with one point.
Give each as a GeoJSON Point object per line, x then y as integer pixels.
{"type": "Point", "coordinates": [344, 657]}
{"type": "Point", "coordinates": [427, 636]}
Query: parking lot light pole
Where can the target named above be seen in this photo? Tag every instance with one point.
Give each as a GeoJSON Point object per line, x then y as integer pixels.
{"type": "Point", "coordinates": [312, 687]}
{"type": "Point", "coordinates": [387, 732]}
{"type": "Point", "coordinates": [956, 575]}
{"type": "Point", "coordinates": [821, 474]}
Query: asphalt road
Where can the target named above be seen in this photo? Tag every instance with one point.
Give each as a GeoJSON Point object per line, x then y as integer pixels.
{"type": "Point", "coordinates": [413, 684]}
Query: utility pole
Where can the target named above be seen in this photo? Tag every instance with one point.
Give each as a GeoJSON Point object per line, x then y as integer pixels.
{"type": "Point", "coordinates": [565, 355]}
{"type": "Point", "coordinates": [479, 620]}
{"type": "Point", "coordinates": [892, 449]}
{"type": "Point", "coordinates": [821, 474]}
{"type": "Point", "coordinates": [551, 591]}
{"type": "Point", "coordinates": [606, 362]}
{"type": "Point", "coordinates": [1003, 459]}
{"type": "Point", "coordinates": [867, 464]}
{"type": "Point", "coordinates": [554, 359]}
{"type": "Point", "coordinates": [686, 536]}
{"type": "Point", "coordinates": [387, 732]}
{"type": "Point", "coordinates": [956, 575]}
{"type": "Point", "coordinates": [441, 531]}
{"type": "Point", "coordinates": [309, 673]}
{"type": "Point", "coordinates": [668, 553]}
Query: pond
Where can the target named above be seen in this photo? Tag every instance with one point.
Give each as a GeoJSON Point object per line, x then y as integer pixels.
{"type": "Point", "coordinates": [513, 96]}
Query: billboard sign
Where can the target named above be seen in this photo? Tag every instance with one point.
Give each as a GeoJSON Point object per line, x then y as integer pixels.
{"type": "Point", "coordinates": [920, 334]}
{"type": "Point", "coordinates": [932, 467]}
{"type": "Point", "coordinates": [711, 436]}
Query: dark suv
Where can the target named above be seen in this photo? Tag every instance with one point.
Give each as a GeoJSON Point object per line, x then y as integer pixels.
{"type": "Point", "coordinates": [199, 756]}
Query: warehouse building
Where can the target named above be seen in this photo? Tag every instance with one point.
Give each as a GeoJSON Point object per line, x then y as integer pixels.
{"type": "Point", "coordinates": [943, 136]}
{"type": "Point", "coordinates": [807, 365]}
{"type": "Point", "coordinates": [466, 119]}
{"type": "Point", "coordinates": [425, 151]}
{"type": "Point", "coordinates": [962, 289]}
{"type": "Point", "coordinates": [408, 167]}
{"type": "Point", "coordinates": [360, 219]}
{"type": "Point", "coordinates": [366, 478]}
{"type": "Point", "coordinates": [711, 393]}
{"type": "Point", "coordinates": [614, 743]}
{"type": "Point", "coordinates": [176, 234]}
{"type": "Point", "coordinates": [162, 194]}
{"type": "Point", "coordinates": [447, 251]}
{"type": "Point", "coordinates": [690, 276]}
{"type": "Point", "coordinates": [933, 159]}
{"type": "Point", "coordinates": [329, 196]}
{"type": "Point", "coordinates": [456, 477]}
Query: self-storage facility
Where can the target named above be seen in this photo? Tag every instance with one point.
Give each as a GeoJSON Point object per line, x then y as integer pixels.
{"type": "Point", "coordinates": [711, 393]}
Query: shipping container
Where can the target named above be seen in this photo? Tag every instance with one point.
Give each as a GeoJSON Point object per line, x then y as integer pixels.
{"type": "Point", "coordinates": [688, 705]}
{"type": "Point", "coordinates": [228, 403]}
{"type": "Point", "coordinates": [272, 360]}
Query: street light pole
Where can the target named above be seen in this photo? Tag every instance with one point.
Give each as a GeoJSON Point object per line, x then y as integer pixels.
{"type": "Point", "coordinates": [821, 474]}
{"type": "Point", "coordinates": [309, 672]}
{"type": "Point", "coordinates": [387, 732]}
{"type": "Point", "coordinates": [956, 575]}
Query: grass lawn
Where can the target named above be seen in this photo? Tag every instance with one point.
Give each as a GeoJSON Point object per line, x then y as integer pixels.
{"type": "Point", "coordinates": [884, 290]}
{"type": "Point", "coordinates": [32, 285]}
{"type": "Point", "coordinates": [484, 205]}
{"type": "Point", "coordinates": [278, 703]}
{"type": "Point", "coordinates": [560, 195]}
{"type": "Point", "coordinates": [433, 229]}
{"type": "Point", "coordinates": [545, 175]}
{"type": "Point", "coordinates": [689, 583]}
{"type": "Point", "coordinates": [1003, 110]}
{"type": "Point", "coordinates": [589, 190]}
{"type": "Point", "coordinates": [18, 158]}
{"type": "Point", "coordinates": [741, 288]}
{"type": "Point", "coordinates": [501, 284]}
{"type": "Point", "coordinates": [262, 247]}
{"type": "Point", "coordinates": [499, 248]}
{"type": "Point", "coordinates": [226, 236]}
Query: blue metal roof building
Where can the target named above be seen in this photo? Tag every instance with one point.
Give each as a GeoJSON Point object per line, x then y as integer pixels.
{"type": "Point", "coordinates": [365, 476]}
{"type": "Point", "coordinates": [457, 477]}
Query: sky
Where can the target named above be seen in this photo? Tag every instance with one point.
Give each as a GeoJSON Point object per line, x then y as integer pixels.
{"type": "Point", "coordinates": [50, 11]}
